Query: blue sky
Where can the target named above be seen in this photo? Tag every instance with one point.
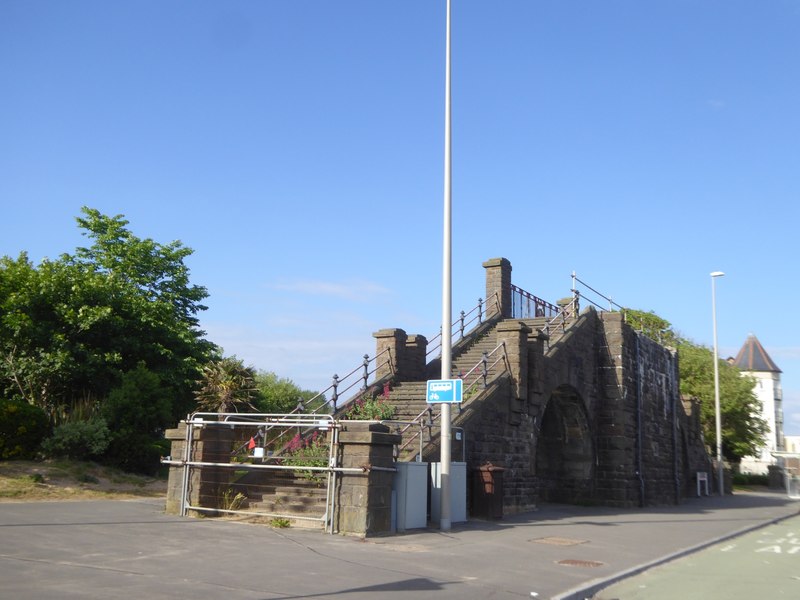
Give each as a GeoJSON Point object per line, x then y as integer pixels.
{"type": "Point", "coordinates": [296, 146]}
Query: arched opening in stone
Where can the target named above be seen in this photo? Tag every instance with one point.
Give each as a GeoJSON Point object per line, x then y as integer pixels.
{"type": "Point", "coordinates": [565, 455]}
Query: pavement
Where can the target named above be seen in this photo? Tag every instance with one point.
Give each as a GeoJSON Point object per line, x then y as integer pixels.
{"type": "Point", "coordinates": [131, 549]}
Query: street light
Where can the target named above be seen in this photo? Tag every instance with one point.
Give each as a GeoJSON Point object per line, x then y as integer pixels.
{"type": "Point", "coordinates": [447, 288]}
{"type": "Point", "coordinates": [717, 413]}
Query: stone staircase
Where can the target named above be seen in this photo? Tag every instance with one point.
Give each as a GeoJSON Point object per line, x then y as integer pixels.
{"type": "Point", "coordinates": [473, 354]}
{"type": "Point", "coordinates": [408, 398]}
{"type": "Point", "coordinates": [293, 495]}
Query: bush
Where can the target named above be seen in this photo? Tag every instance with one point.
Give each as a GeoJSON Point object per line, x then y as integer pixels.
{"type": "Point", "coordinates": [369, 409]}
{"type": "Point", "coordinates": [81, 440]}
{"type": "Point", "coordinates": [22, 429]}
{"type": "Point", "coordinates": [750, 479]}
{"type": "Point", "coordinates": [137, 411]}
{"type": "Point", "coordinates": [136, 453]}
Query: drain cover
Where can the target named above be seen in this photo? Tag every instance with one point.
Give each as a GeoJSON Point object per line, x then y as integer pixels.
{"type": "Point", "coordinates": [558, 541]}
{"type": "Point", "coordinates": [579, 563]}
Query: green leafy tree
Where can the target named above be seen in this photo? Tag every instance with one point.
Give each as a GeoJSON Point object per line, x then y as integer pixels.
{"type": "Point", "coordinates": [743, 430]}
{"type": "Point", "coordinates": [227, 386]}
{"type": "Point", "coordinates": [70, 328]}
{"type": "Point", "coordinates": [281, 395]}
{"type": "Point", "coordinates": [651, 325]}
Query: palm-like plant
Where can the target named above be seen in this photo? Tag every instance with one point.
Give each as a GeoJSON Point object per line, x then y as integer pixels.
{"type": "Point", "coordinates": [227, 385]}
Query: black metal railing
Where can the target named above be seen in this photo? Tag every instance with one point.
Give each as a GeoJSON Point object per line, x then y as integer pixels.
{"type": "Point", "coordinates": [466, 322]}
{"type": "Point", "coordinates": [525, 305]}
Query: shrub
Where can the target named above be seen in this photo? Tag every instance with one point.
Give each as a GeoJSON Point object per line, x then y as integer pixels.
{"type": "Point", "coordinates": [367, 408]}
{"type": "Point", "coordinates": [81, 440]}
{"type": "Point", "coordinates": [750, 479]}
{"type": "Point", "coordinates": [135, 452]}
{"type": "Point", "coordinates": [307, 452]}
{"type": "Point", "coordinates": [22, 429]}
{"type": "Point", "coordinates": [137, 411]}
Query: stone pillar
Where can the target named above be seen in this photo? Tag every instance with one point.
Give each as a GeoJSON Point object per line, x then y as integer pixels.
{"type": "Point", "coordinates": [498, 287]}
{"type": "Point", "coordinates": [210, 443]}
{"type": "Point", "coordinates": [393, 340]}
{"type": "Point", "coordinates": [405, 359]}
{"type": "Point", "coordinates": [566, 304]}
{"type": "Point", "coordinates": [177, 437]}
{"type": "Point", "coordinates": [364, 499]}
{"type": "Point", "coordinates": [515, 336]}
{"type": "Point", "coordinates": [413, 367]}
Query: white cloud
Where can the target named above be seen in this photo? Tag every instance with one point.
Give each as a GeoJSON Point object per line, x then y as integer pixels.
{"type": "Point", "coordinates": [348, 290]}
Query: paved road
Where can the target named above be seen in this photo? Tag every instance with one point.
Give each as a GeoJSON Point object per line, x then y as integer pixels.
{"type": "Point", "coordinates": [761, 564]}
{"type": "Point", "coordinates": [130, 549]}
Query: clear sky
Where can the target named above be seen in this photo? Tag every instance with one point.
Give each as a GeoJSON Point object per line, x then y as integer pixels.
{"type": "Point", "coordinates": [297, 147]}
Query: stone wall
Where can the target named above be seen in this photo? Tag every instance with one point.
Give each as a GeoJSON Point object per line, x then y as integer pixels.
{"type": "Point", "coordinates": [615, 431]}
{"type": "Point", "coordinates": [494, 435]}
{"type": "Point", "coordinates": [638, 437]}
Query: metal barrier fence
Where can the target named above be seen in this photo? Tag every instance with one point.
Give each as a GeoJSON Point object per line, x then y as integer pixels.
{"type": "Point", "coordinates": [247, 465]}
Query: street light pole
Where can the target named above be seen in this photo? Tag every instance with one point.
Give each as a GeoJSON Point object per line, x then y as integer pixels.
{"type": "Point", "coordinates": [717, 414]}
{"type": "Point", "coordinates": [447, 284]}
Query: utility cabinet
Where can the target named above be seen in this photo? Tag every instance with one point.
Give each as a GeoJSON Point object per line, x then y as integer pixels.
{"type": "Point", "coordinates": [458, 492]}
{"type": "Point", "coordinates": [410, 491]}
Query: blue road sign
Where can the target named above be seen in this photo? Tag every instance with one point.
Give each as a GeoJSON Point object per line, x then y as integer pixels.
{"type": "Point", "coordinates": [444, 390]}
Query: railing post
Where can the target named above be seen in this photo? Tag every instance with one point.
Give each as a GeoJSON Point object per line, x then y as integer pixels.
{"type": "Point", "coordinates": [462, 325]}
{"type": "Point", "coordinates": [485, 360]}
{"type": "Point", "coordinates": [335, 396]}
{"type": "Point", "coordinates": [480, 311]}
{"type": "Point", "coordinates": [574, 284]}
{"type": "Point", "coordinates": [366, 372]}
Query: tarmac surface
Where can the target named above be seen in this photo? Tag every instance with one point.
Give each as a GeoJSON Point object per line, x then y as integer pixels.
{"type": "Point", "coordinates": [131, 549]}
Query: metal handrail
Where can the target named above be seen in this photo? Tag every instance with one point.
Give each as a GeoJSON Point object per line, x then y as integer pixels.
{"type": "Point", "coordinates": [326, 403]}
{"type": "Point", "coordinates": [484, 362]}
{"type": "Point", "coordinates": [418, 420]}
{"type": "Point", "coordinates": [522, 301]}
{"type": "Point", "coordinates": [482, 375]}
{"type": "Point", "coordinates": [460, 325]}
{"type": "Point", "coordinates": [366, 373]}
{"type": "Point", "coordinates": [575, 292]}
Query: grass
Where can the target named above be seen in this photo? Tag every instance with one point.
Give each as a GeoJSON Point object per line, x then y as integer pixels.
{"type": "Point", "coordinates": [280, 523]}
{"type": "Point", "coordinates": [72, 480]}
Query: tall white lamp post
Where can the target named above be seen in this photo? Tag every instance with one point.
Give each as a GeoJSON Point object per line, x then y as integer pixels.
{"type": "Point", "coordinates": [717, 413]}
{"type": "Point", "coordinates": [447, 321]}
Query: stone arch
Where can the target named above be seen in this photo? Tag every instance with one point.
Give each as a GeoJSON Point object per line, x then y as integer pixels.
{"type": "Point", "coordinates": [565, 454]}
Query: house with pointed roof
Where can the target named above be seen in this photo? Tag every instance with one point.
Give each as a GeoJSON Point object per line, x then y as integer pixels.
{"type": "Point", "coordinates": [753, 361]}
